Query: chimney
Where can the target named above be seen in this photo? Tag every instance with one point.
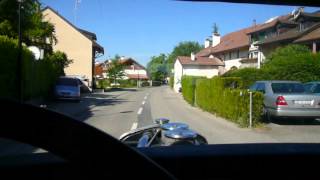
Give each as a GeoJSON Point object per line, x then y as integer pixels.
{"type": "Point", "coordinates": [215, 39]}
{"type": "Point", "coordinates": [207, 42]}
{"type": "Point", "coordinates": [193, 57]}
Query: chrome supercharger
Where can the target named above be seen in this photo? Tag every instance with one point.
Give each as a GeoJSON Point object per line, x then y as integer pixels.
{"type": "Point", "coordinates": [163, 133]}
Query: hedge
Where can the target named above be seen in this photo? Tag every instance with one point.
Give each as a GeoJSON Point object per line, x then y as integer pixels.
{"type": "Point", "coordinates": [188, 84]}
{"type": "Point", "coordinates": [38, 77]}
{"type": "Point", "coordinates": [215, 96]}
{"type": "Point", "coordinates": [171, 81]}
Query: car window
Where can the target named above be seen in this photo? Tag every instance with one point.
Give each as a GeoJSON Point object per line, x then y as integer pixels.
{"type": "Point", "coordinates": [287, 87]}
{"type": "Point", "coordinates": [316, 89]}
{"type": "Point", "coordinates": [67, 82]}
{"type": "Point", "coordinates": [307, 87]}
{"type": "Point", "coordinates": [253, 87]}
{"type": "Point", "coordinates": [261, 87]}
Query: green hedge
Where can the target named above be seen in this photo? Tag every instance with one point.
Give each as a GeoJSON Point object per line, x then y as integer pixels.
{"type": "Point", "coordinates": [38, 77]}
{"type": "Point", "coordinates": [171, 81]}
{"type": "Point", "coordinates": [188, 84]}
{"type": "Point", "coordinates": [215, 96]}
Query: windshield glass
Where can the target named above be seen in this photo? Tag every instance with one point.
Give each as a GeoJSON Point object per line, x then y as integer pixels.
{"type": "Point", "coordinates": [67, 82]}
{"type": "Point", "coordinates": [317, 89]}
{"type": "Point", "coordinates": [207, 65]}
{"type": "Point", "coordinates": [287, 88]}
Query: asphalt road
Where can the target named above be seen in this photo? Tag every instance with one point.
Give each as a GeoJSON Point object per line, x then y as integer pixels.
{"type": "Point", "coordinates": [117, 112]}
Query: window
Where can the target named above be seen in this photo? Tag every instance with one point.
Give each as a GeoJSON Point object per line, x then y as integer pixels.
{"type": "Point", "coordinates": [238, 53]}
{"type": "Point", "coordinates": [287, 88]}
{"type": "Point", "coordinates": [261, 87]}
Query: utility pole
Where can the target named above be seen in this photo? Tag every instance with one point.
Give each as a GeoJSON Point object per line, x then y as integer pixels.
{"type": "Point", "coordinates": [20, 63]}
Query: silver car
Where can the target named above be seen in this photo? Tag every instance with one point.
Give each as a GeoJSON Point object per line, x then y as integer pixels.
{"type": "Point", "coordinates": [67, 88]}
{"type": "Point", "coordinates": [287, 99]}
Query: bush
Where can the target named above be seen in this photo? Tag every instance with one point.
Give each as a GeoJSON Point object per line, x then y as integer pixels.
{"type": "Point", "coordinates": [188, 84]}
{"type": "Point", "coordinates": [38, 77]}
{"type": "Point", "coordinates": [292, 62]}
{"type": "Point", "coordinates": [103, 84]}
{"type": "Point", "coordinates": [214, 96]}
{"type": "Point", "coordinates": [248, 75]}
{"type": "Point", "coordinates": [171, 81]}
{"type": "Point", "coordinates": [127, 83]}
{"type": "Point", "coordinates": [145, 84]}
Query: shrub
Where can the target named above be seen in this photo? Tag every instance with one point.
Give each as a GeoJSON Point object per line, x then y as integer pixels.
{"type": "Point", "coordinates": [38, 77]}
{"type": "Point", "coordinates": [171, 81]}
{"type": "Point", "coordinates": [292, 62]}
{"type": "Point", "coordinates": [188, 84]}
{"type": "Point", "coordinates": [214, 96]}
{"type": "Point", "coordinates": [248, 75]}
{"type": "Point", "coordinates": [103, 84]}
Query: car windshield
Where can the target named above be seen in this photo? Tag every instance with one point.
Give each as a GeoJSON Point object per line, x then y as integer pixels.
{"type": "Point", "coordinates": [203, 64]}
{"type": "Point", "coordinates": [67, 82]}
{"type": "Point", "coordinates": [317, 89]}
{"type": "Point", "coordinates": [287, 88]}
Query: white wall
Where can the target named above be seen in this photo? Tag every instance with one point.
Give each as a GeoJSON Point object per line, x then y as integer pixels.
{"type": "Point", "coordinates": [177, 76]}
{"type": "Point", "coordinates": [192, 70]}
{"type": "Point", "coordinates": [136, 71]}
{"type": "Point", "coordinates": [230, 63]}
{"type": "Point", "coordinates": [195, 70]}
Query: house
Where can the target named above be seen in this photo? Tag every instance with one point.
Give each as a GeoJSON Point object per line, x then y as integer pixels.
{"type": "Point", "coordinates": [299, 27]}
{"type": "Point", "coordinates": [232, 49]}
{"type": "Point", "coordinates": [132, 69]}
{"type": "Point", "coordinates": [99, 71]}
{"type": "Point", "coordinates": [195, 66]}
{"type": "Point", "coordinates": [79, 45]}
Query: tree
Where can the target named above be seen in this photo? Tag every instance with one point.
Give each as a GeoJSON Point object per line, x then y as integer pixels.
{"type": "Point", "coordinates": [292, 62]}
{"type": "Point", "coordinates": [157, 67]}
{"type": "Point", "coordinates": [35, 31]}
{"type": "Point", "coordinates": [115, 69]}
{"type": "Point", "coordinates": [183, 49]}
{"type": "Point", "coordinates": [59, 60]}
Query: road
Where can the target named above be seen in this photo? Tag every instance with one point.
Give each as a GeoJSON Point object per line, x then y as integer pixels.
{"type": "Point", "coordinates": [117, 112]}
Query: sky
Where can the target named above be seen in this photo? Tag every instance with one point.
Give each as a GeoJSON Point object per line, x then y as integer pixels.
{"type": "Point", "coordinates": [144, 28]}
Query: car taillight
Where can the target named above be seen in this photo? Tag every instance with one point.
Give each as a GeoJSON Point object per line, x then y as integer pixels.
{"type": "Point", "coordinates": [281, 101]}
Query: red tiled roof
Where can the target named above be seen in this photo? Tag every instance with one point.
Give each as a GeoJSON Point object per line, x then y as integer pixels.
{"type": "Point", "coordinates": [98, 69]}
{"type": "Point", "coordinates": [136, 76]}
{"type": "Point", "coordinates": [234, 40]}
{"type": "Point", "coordinates": [282, 19]}
{"type": "Point", "coordinates": [204, 61]}
{"type": "Point", "coordinates": [315, 34]}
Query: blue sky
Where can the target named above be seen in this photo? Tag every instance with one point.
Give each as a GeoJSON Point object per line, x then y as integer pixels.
{"type": "Point", "coordinates": [144, 28]}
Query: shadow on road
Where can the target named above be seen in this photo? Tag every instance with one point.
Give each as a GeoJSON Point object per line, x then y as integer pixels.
{"type": "Point", "coordinates": [292, 121]}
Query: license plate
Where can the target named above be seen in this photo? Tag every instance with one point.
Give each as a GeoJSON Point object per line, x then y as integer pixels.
{"type": "Point", "coordinates": [303, 102]}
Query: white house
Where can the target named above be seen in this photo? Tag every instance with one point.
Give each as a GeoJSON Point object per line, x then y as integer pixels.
{"type": "Point", "coordinates": [195, 66]}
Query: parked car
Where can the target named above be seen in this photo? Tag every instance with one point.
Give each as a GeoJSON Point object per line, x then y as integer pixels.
{"type": "Point", "coordinates": [312, 87]}
{"type": "Point", "coordinates": [68, 88]}
{"type": "Point", "coordinates": [287, 99]}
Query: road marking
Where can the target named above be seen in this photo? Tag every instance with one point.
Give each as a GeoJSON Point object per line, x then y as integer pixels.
{"type": "Point", "coordinates": [143, 102]}
{"type": "Point", "coordinates": [145, 97]}
{"type": "Point", "coordinates": [134, 126]}
{"type": "Point", "coordinates": [140, 110]}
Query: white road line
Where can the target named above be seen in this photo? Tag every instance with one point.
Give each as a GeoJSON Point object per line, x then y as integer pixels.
{"type": "Point", "coordinates": [134, 126]}
{"type": "Point", "coordinates": [143, 102]}
{"type": "Point", "coordinates": [145, 97]}
{"type": "Point", "coordinates": [140, 111]}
